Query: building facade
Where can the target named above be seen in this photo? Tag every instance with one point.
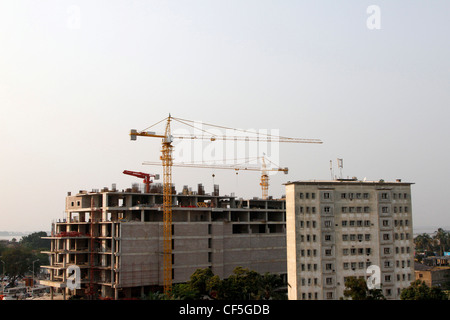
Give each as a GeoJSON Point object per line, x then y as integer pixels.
{"type": "Point", "coordinates": [337, 229]}
{"type": "Point", "coordinates": [115, 238]}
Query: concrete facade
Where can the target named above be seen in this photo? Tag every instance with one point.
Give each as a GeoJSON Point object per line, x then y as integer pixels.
{"type": "Point", "coordinates": [337, 229]}
{"type": "Point", "coordinates": [116, 239]}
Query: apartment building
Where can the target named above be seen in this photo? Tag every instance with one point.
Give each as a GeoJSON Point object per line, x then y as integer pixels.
{"type": "Point", "coordinates": [337, 229]}
{"type": "Point", "coordinates": [115, 238]}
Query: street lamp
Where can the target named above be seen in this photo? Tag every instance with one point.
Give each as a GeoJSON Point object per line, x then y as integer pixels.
{"type": "Point", "coordinates": [3, 276]}
{"type": "Point", "coordinates": [33, 270]}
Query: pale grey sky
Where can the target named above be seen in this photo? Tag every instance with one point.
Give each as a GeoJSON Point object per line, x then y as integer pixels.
{"type": "Point", "coordinates": [76, 76]}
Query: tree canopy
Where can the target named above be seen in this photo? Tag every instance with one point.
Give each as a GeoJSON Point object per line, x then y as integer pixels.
{"type": "Point", "coordinates": [439, 242]}
{"type": "Point", "coordinates": [356, 289]}
{"type": "Point", "coordinates": [242, 284]}
{"type": "Point", "coordinates": [419, 290]}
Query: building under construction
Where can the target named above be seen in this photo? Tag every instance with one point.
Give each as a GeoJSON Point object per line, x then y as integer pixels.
{"type": "Point", "coordinates": [115, 238]}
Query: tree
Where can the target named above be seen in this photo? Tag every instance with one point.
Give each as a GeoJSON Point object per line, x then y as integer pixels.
{"type": "Point", "coordinates": [418, 290]}
{"type": "Point", "coordinates": [18, 261]}
{"type": "Point", "coordinates": [356, 289]}
{"type": "Point", "coordinates": [271, 285]}
{"type": "Point", "coordinates": [442, 240]}
{"type": "Point", "coordinates": [34, 241]}
{"type": "Point", "coordinates": [423, 242]}
{"type": "Point", "coordinates": [199, 280]}
{"type": "Point", "coordinates": [243, 284]}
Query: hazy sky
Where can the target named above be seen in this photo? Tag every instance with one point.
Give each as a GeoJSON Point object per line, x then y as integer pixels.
{"type": "Point", "coordinates": [76, 76]}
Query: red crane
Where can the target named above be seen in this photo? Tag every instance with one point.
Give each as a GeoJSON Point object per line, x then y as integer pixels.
{"type": "Point", "coordinates": [145, 176]}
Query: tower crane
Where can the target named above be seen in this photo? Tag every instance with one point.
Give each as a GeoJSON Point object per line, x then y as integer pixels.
{"type": "Point", "coordinates": [242, 166]}
{"type": "Point", "coordinates": [145, 176]}
{"type": "Point", "coordinates": [167, 163]}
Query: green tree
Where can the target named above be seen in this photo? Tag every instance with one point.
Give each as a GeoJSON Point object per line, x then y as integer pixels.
{"type": "Point", "coordinates": [423, 242]}
{"type": "Point", "coordinates": [243, 284]}
{"type": "Point", "coordinates": [356, 289]}
{"type": "Point", "coordinates": [184, 291]}
{"type": "Point", "coordinates": [18, 261]}
{"type": "Point", "coordinates": [271, 287]}
{"type": "Point", "coordinates": [199, 280]}
{"type": "Point", "coordinates": [34, 241]}
{"type": "Point", "coordinates": [442, 241]}
{"type": "Point", "coordinates": [419, 290]}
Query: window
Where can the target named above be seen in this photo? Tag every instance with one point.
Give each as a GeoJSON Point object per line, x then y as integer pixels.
{"type": "Point", "coordinates": [327, 237]}
{"type": "Point", "coordinates": [328, 223]}
{"type": "Point", "coordinates": [384, 195]}
{"type": "Point", "coordinates": [365, 195]}
{"type": "Point", "coordinates": [385, 223]}
{"type": "Point", "coordinates": [326, 209]}
{"type": "Point", "coordinates": [313, 195]}
{"type": "Point", "coordinates": [343, 195]}
{"type": "Point", "coordinates": [326, 195]}
{"type": "Point", "coordinates": [385, 209]}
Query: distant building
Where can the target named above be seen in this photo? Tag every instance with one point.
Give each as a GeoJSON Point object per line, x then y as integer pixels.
{"type": "Point", "coordinates": [337, 229]}
{"type": "Point", "coordinates": [432, 275]}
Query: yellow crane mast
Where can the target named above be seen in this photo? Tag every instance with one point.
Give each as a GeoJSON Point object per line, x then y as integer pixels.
{"type": "Point", "coordinates": [166, 158]}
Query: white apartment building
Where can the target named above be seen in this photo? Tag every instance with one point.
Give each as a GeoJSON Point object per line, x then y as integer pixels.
{"type": "Point", "coordinates": [337, 229]}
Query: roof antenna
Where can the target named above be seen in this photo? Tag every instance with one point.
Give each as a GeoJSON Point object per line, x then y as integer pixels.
{"type": "Point", "coordinates": [340, 166]}
{"type": "Point", "coordinates": [331, 169]}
